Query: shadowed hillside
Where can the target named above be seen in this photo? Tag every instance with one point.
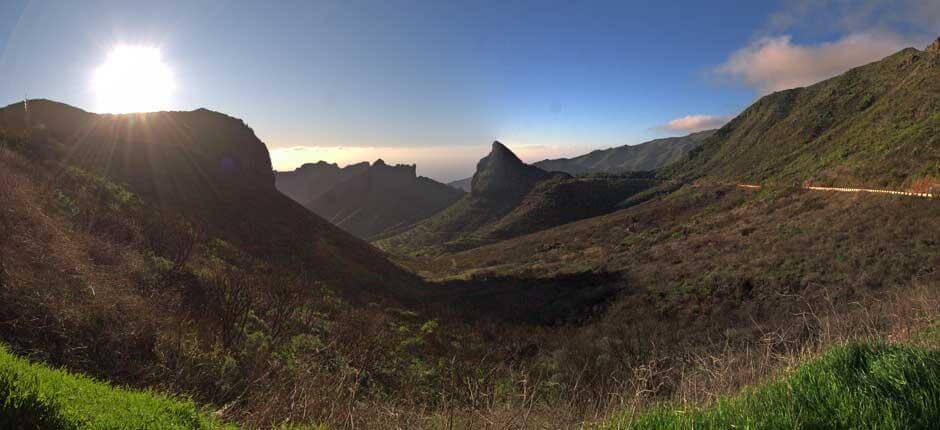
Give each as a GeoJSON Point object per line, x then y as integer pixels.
{"type": "Point", "coordinates": [382, 198]}
{"type": "Point", "coordinates": [209, 167]}
{"type": "Point", "coordinates": [312, 180]}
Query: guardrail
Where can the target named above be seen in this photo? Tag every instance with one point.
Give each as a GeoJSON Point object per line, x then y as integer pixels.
{"type": "Point", "coordinates": [857, 190]}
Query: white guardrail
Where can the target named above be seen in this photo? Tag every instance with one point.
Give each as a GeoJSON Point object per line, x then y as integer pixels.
{"type": "Point", "coordinates": [858, 190]}
{"type": "Point", "coordinates": [868, 190]}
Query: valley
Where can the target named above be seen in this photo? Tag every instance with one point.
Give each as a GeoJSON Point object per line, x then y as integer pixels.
{"type": "Point", "coordinates": [779, 271]}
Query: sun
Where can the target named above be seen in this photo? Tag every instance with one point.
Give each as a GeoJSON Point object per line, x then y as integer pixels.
{"type": "Point", "coordinates": [133, 79]}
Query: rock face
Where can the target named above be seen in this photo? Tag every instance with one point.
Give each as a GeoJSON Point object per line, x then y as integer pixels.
{"type": "Point", "coordinates": [382, 198]}
{"type": "Point", "coordinates": [502, 176]}
{"type": "Point", "coordinates": [935, 46]}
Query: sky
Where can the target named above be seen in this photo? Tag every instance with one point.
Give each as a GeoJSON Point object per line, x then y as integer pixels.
{"type": "Point", "coordinates": [435, 82]}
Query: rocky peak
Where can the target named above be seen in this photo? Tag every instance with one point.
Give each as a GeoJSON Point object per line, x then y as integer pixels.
{"type": "Point", "coordinates": [501, 174]}
{"type": "Point", "coordinates": [935, 46]}
{"type": "Point", "coordinates": [499, 153]}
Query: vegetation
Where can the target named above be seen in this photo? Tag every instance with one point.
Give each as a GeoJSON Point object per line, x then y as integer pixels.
{"type": "Point", "coordinates": [190, 279]}
{"type": "Point", "coordinates": [875, 126]}
{"type": "Point", "coordinates": [35, 396]}
{"type": "Point", "coordinates": [858, 386]}
{"type": "Point", "coordinates": [486, 216]}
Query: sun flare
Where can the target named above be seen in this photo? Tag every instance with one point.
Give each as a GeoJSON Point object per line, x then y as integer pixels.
{"type": "Point", "coordinates": [133, 79]}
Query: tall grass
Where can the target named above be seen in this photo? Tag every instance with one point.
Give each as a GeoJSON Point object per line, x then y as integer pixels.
{"type": "Point", "coordinates": [860, 385]}
{"type": "Point", "coordinates": [36, 396]}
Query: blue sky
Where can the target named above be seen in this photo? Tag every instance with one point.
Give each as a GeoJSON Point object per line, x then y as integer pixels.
{"type": "Point", "coordinates": [434, 82]}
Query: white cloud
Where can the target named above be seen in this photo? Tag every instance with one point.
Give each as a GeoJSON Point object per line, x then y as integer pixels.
{"type": "Point", "coordinates": [693, 123]}
{"type": "Point", "coordinates": [776, 63]}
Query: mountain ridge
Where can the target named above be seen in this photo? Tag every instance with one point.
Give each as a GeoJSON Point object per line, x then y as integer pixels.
{"type": "Point", "coordinates": [646, 156]}
{"type": "Point", "coordinates": [381, 198]}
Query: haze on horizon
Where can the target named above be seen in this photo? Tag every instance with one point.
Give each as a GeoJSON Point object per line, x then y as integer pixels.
{"type": "Point", "coordinates": [434, 83]}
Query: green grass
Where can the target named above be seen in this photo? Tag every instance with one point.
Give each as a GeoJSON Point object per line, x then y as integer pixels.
{"type": "Point", "coordinates": [859, 386]}
{"type": "Point", "coordinates": [36, 396]}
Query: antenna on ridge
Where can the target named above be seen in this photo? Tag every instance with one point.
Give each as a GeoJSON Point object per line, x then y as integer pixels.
{"type": "Point", "coordinates": [26, 107]}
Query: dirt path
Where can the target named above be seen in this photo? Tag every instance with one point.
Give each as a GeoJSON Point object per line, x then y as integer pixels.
{"type": "Point", "coordinates": [856, 190]}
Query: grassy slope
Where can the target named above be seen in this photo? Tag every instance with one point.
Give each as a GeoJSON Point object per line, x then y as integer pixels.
{"type": "Point", "coordinates": [874, 126]}
{"type": "Point", "coordinates": [873, 386]}
{"type": "Point", "coordinates": [36, 396]}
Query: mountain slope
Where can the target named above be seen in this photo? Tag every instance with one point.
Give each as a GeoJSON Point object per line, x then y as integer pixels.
{"type": "Point", "coordinates": [312, 180]}
{"type": "Point", "coordinates": [876, 126]}
{"type": "Point", "coordinates": [499, 184]}
{"type": "Point", "coordinates": [382, 198]}
{"type": "Point", "coordinates": [629, 158]}
{"type": "Point", "coordinates": [210, 167]}
{"type": "Point", "coordinates": [461, 184]}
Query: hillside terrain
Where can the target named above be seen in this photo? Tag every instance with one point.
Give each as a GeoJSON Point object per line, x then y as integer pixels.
{"type": "Point", "coordinates": [876, 126]}
{"type": "Point", "coordinates": [382, 198]}
{"type": "Point", "coordinates": [510, 198]}
{"type": "Point", "coordinates": [696, 261]}
{"type": "Point", "coordinates": [311, 180]}
{"type": "Point", "coordinates": [642, 157]}
{"type": "Point", "coordinates": [153, 251]}
{"type": "Point", "coordinates": [209, 167]}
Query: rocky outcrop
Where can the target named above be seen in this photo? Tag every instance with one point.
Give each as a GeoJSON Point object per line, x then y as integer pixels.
{"type": "Point", "coordinates": [935, 46]}
{"type": "Point", "coordinates": [502, 176]}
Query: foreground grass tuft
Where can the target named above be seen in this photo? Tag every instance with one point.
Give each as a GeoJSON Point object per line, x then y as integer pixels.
{"type": "Point", "coordinates": [870, 386]}
{"type": "Point", "coordinates": [36, 396]}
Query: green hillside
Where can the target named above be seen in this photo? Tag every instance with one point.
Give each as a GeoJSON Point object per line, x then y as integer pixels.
{"type": "Point", "coordinates": [35, 396]}
{"type": "Point", "coordinates": [875, 126]}
{"type": "Point", "coordinates": [858, 386]}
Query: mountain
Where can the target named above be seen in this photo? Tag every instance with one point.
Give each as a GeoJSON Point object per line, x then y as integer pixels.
{"type": "Point", "coordinates": [875, 126]}
{"type": "Point", "coordinates": [509, 198]}
{"type": "Point", "coordinates": [382, 198]}
{"type": "Point", "coordinates": [629, 158]}
{"type": "Point", "coordinates": [501, 181]}
{"type": "Point", "coordinates": [312, 180]}
{"type": "Point", "coordinates": [210, 168]}
{"type": "Point", "coordinates": [461, 184]}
